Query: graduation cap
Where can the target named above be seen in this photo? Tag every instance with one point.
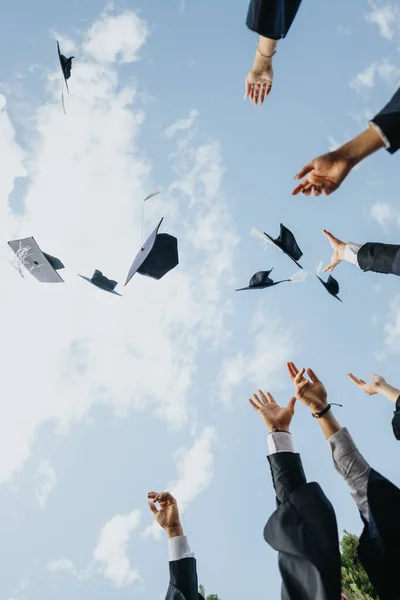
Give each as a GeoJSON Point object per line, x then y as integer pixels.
{"type": "Point", "coordinates": [42, 266]}
{"type": "Point", "coordinates": [157, 256]}
{"type": "Point", "coordinates": [262, 280]}
{"type": "Point", "coordinates": [66, 65]}
{"type": "Point", "coordinates": [332, 286]}
{"type": "Point", "coordinates": [102, 282]}
{"type": "Point", "coordinates": [285, 242]}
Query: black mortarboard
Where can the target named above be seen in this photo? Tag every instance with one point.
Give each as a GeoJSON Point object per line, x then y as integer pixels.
{"type": "Point", "coordinates": [332, 286]}
{"type": "Point", "coordinates": [66, 65]}
{"type": "Point", "coordinates": [42, 266]}
{"type": "Point", "coordinates": [101, 281]}
{"type": "Point", "coordinates": [287, 243]}
{"type": "Point", "coordinates": [260, 281]}
{"type": "Point", "coordinates": [157, 256]}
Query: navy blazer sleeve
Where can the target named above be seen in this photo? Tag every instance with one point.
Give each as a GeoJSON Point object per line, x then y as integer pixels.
{"type": "Point", "coordinates": [272, 18]}
{"type": "Point", "coordinates": [381, 258]}
{"type": "Point", "coordinates": [388, 121]}
{"type": "Point", "coordinates": [396, 420]}
{"type": "Point", "coordinates": [303, 530]}
{"type": "Point", "coordinates": [183, 583]}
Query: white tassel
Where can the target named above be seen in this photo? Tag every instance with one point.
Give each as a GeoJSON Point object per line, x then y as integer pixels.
{"type": "Point", "coordinates": [298, 277]}
{"type": "Point", "coordinates": [319, 268]}
{"type": "Point", "coordinates": [265, 242]}
{"type": "Point", "coordinates": [19, 261]}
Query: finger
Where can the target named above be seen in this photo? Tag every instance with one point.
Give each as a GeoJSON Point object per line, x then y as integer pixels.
{"type": "Point", "coordinates": [291, 370]}
{"type": "Point", "coordinates": [307, 190]}
{"type": "Point", "coordinates": [299, 376]}
{"type": "Point", "coordinates": [313, 376]}
{"type": "Point", "coordinates": [258, 400]}
{"type": "Point", "coordinates": [303, 172]}
{"type": "Point", "coordinates": [330, 267]}
{"type": "Point", "coordinates": [269, 88]}
{"type": "Point", "coordinates": [256, 92]}
{"type": "Point", "coordinates": [375, 377]}
{"type": "Point", "coordinates": [271, 399]}
{"type": "Point", "coordinates": [152, 494]}
{"type": "Point", "coordinates": [263, 93]}
{"type": "Point", "coordinates": [354, 379]}
{"type": "Point", "coordinates": [332, 239]}
{"type": "Point", "coordinates": [300, 388]}
{"type": "Point", "coordinates": [247, 87]}
{"type": "Point", "coordinates": [291, 403]}
{"type": "Point", "coordinates": [316, 191]}
{"type": "Point", "coordinates": [300, 187]}
{"type": "Point", "coordinates": [254, 405]}
{"type": "Point", "coordinates": [153, 508]}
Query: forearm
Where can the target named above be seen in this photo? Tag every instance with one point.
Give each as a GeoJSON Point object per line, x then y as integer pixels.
{"type": "Point", "coordinates": [266, 46]}
{"type": "Point", "coordinates": [363, 145]}
{"type": "Point", "coordinates": [390, 392]}
{"type": "Point", "coordinates": [348, 461]}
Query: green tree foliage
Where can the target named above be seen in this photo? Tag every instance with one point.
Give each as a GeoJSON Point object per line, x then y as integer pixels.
{"type": "Point", "coordinates": [210, 596]}
{"type": "Point", "coordinates": [354, 578]}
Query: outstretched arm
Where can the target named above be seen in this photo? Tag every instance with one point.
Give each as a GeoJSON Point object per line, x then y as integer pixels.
{"type": "Point", "coordinates": [347, 459]}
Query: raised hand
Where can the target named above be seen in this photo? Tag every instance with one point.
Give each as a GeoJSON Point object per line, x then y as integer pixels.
{"type": "Point", "coordinates": [324, 174]}
{"type": "Point", "coordinates": [258, 83]}
{"type": "Point", "coordinates": [311, 392]}
{"type": "Point", "coordinates": [338, 254]}
{"type": "Point", "coordinates": [167, 516]}
{"type": "Point", "coordinates": [274, 416]}
{"type": "Point", "coordinates": [368, 388]}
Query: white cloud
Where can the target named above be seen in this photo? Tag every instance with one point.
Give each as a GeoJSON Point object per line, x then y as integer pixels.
{"type": "Point", "coordinates": [120, 36]}
{"type": "Point", "coordinates": [195, 472]}
{"type": "Point", "coordinates": [48, 480]}
{"type": "Point", "coordinates": [384, 69]}
{"type": "Point", "coordinates": [181, 125]}
{"type": "Point", "coordinates": [111, 552]}
{"type": "Point", "coordinates": [386, 17]}
{"type": "Point", "coordinates": [385, 214]}
{"type": "Point", "coordinates": [63, 564]}
{"type": "Point", "coordinates": [272, 347]}
{"type": "Point", "coordinates": [87, 178]}
{"type": "Point", "coordinates": [391, 344]}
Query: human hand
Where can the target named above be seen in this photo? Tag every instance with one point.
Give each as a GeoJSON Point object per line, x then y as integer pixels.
{"type": "Point", "coordinates": [274, 416]}
{"type": "Point", "coordinates": [258, 83]}
{"type": "Point", "coordinates": [311, 393]}
{"type": "Point", "coordinates": [369, 388]}
{"type": "Point", "coordinates": [325, 174]}
{"type": "Point", "coordinates": [167, 516]}
{"type": "Point", "coordinates": [339, 248]}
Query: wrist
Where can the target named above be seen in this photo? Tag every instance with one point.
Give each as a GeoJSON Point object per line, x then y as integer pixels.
{"type": "Point", "coordinates": [279, 429]}
{"type": "Point", "coordinates": [361, 146]}
{"type": "Point", "coordinates": [174, 531]}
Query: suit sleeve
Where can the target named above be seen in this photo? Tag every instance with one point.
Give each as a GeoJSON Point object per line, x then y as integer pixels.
{"type": "Point", "coordinates": [396, 420]}
{"type": "Point", "coordinates": [381, 258]}
{"type": "Point", "coordinates": [387, 122]}
{"type": "Point", "coordinates": [303, 530]}
{"type": "Point", "coordinates": [272, 18]}
{"type": "Point", "coordinates": [183, 579]}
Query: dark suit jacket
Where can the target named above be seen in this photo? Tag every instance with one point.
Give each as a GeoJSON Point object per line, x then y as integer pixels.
{"type": "Point", "coordinates": [303, 530]}
{"type": "Point", "coordinates": [183, 584]}
{"type": "Point", "coordinates": [379, 547]}
{"type": "Point", "coordinates": [388, 121]}
{"type": "Point", "coordinates": [381, 258]}
{"type": "Point", "coordinates": [272, 18]}
{"type": "Point", "coordinates": [396, 420]}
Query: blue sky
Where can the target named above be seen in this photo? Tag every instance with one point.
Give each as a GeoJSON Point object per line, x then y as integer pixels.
{"type": "Point", "coordinates": [106, 398]}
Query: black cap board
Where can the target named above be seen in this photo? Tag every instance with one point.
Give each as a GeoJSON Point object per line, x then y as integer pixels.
{"type": "Point", "coordinates": [287, 243]}
{"type": "Point", "coordinates": [66, 65]}
{"type": "Point", "coordinates": [157, 256]}
{"type": "Point", "coordinates": [102, 282]}
{"type": "Point", "coordinates": [42, 266]}
{"type": "Point", "coordinates": [260, 281]}
{"type": "Point", "coordinates": [332, 286]}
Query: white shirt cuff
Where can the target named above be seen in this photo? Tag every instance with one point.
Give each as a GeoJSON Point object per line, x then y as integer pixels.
{"type": "Point", "coordinates": [350, 253]}
{"type": "Point", "coordinates": [381, 134]}
{"type": "Point", "coordinates": [179, 548]}
{"type": "Point", "coordinates": [280, 441]}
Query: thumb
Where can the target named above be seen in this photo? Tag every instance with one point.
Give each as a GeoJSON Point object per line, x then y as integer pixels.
{"type": "Point", "coordinates": [376, 377]}
{"type": "Point", "coordinates": [304, 171]}
{"type": "Point", "coordinates": [332, 239]}
{"type": "Point", "coordinates": [291, 403]}
{"type": "Point", "coordinates": [153, 508]}
{"type": "Point", "coordinates": [330, 267]}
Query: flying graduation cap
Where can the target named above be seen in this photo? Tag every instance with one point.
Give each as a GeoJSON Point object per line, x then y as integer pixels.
{"type": "Point", "coordinates": [42, 266]}
{"type": "Point", "coordinates": [285, 242]}
{"type": "Point", "coordinates": [66, 65]}
{"type": "Point", "coordinates": [157, 256]}
{"type": "Point", "coordinates": [262, 280]}
{"type": "Point", "coordinates": [102, 282]}
{"type": "Point", "coordinates": [332, 286]}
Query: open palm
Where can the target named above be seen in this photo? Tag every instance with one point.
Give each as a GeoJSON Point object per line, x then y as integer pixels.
{"type": "Point", "coordinates": [368, 388]}
{"type": "Point", "coordinates": [274, 416]}
{"type": "Point", "coordinates": [311, 392]}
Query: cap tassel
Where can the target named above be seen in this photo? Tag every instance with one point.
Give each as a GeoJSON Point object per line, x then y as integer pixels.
{"type": "Point", "coordinates": [265, 242]}
{"type": "Point", "coordinates": [298, 277]}
{"type": "Point", "coordinates": [319, 268]}
{"type": "Point", "coordinates": [19, 261]}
